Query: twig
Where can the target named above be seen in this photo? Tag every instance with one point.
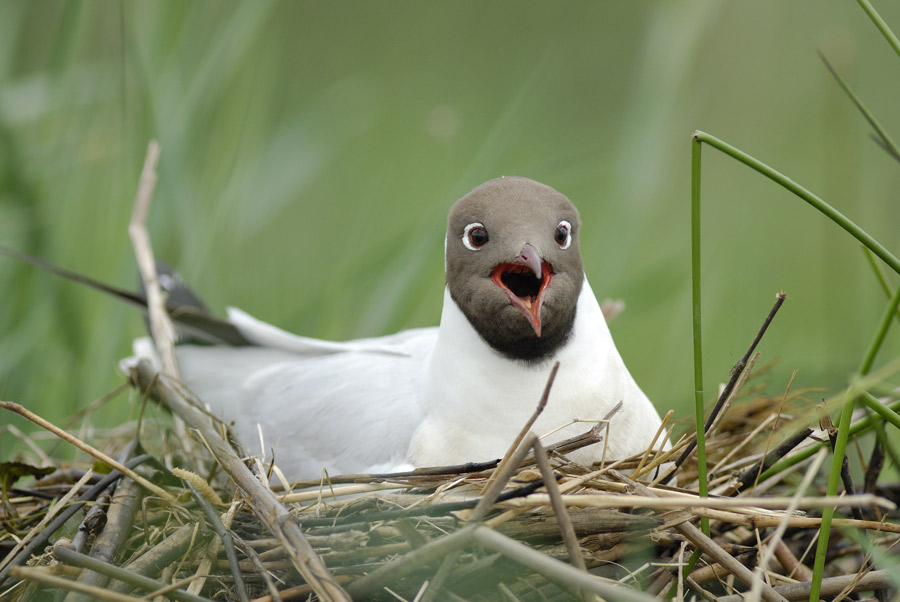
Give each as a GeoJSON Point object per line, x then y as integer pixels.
{"type": "Point", "coordinates": [119, 521]}
{"type": "Point", "coordinates": [735, 375]}
{"type": "Point", "coordinates": [40, 527]}
{"type": "Point", "coordinates": [710, 547]}
{"type": "Point", "coordinates": [502, 477]}
{"type": "Point", "coordinates": [410, 562]}
{"type": "Point", "coordinates": [490, 493]}
{"type": "Point", "coordinates": [588, 438]}
{"type": "Point", "coordinates": [161, 555]}
{"type": "Point", "coordinates": [207, 560]}
{"type": "Point", "coordinates": [88, 449]}
{"type": "Point", "coordinates": [435, 587]}
{"type": "Point", "coordinates": [34, 447]}
{"type": "Point", "coordinates": [121, 574]}
{"type": "Point", "coordinates": [93, 522]}
{"type": "Point", "coordinates": [41, 539]}
{"type": "Point", "coordinates": [259, 568]}
{"type": "Point", "coordinates": [433, 471]}
{"type": "Point", "coordinates": [261, 500]}
{"type": "Point", "coordinates": [160, 326]}
{"type": "Point", "coordinates": [559, 510]}
{"type": "Point", "coordinates": [705, 594]}
{"type": "Point", "coordinates": [44, 576]}
{"type": "Point", "coordinates": [876, 463]}
{"type": "Point", "coordinates": [831, 586]}
{"type": "Point", "coordinates": [335, 492]}
{"type": "Point", "coordinates": [711, 571]}
{"type": "Point", "coordinates": [750, 476]}
{"type": "Point", "coordinates": [227, 541]}
{"type": "Point", "coordinates": [752, 506]}
{"type": "Point", "coordinates": [554, 569]}
{"type": "Point", "coordinates": [782, 527]}
{"type": "Point", "coordinates": [745, 374]}
{"type": "Point", "coordinates": [795, 569]}
{"type": "Point", "coordinates": [755, 521]}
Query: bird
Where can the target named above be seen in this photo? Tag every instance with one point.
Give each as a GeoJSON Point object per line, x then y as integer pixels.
{"type": "Point", "coordinates": [516, 301]}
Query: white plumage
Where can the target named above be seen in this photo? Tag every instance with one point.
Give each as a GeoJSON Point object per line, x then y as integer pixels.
{"type": "Point", "coordinates": [516, 301]}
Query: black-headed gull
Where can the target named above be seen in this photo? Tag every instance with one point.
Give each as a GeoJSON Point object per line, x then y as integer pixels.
{"type": "Point", "coordinates": [516, 301]}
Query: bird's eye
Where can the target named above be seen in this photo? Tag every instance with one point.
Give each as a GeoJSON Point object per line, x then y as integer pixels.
{"type": "Point", "coordinates": [563, 236]}
{"type": "Point", "coordinates": [475, 236]}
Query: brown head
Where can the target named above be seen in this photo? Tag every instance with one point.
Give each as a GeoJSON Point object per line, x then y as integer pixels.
{"type": "Point", "coordinates": [514, 267]}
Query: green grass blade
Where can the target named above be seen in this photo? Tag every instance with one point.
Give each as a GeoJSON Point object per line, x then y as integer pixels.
{"type": "Point", "coordinates": [834, 478]}
{"type": "Point", "coordinates": [882, 136]}
{"type": "Point", "coordinates": [879, 275]}
{"type": "Point", "coordinates": [830, 212]}
{"type": "Point", "coordinates": [881, 25]}
{"type": "Point", "coordinates": [698, 342]}
{"type": "Point", "coordinates": [856, 428]}
{"type": "Point", "coordinates": [880, 334]}
{"type": "Point", "coordinates": [840, 445]}
{"type": "Point", "coordinates": [881, 559]}
{"type": "Point", "coordinates": [879, 408]}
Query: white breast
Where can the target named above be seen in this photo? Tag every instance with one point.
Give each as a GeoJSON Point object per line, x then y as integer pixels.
{"type": "Point", "coordinates": [476, 400]}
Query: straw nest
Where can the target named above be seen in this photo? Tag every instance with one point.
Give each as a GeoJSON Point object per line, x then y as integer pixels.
{"type": "Point", "coordinates": [198, 520]}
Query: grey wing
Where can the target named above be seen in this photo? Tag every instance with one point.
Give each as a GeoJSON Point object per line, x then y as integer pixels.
{"type": "Point", "coordinates": [346, 411]}
{"type": "Point", "coordinates": [264, 334]}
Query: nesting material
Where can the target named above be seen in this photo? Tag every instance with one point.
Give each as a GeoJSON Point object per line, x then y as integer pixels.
{"type": "Point", "coordinates": [473, 532]}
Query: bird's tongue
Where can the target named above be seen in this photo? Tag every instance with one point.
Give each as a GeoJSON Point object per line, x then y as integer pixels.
{"type": "Point", "coordinates": [525, 285]}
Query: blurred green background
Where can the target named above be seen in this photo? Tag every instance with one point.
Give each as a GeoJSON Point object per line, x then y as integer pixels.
{"type": "Point", "coordinates": [310, 152]}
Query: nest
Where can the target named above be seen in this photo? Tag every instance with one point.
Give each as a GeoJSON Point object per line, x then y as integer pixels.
{"type": "Point", "coordinates": [532, 527]}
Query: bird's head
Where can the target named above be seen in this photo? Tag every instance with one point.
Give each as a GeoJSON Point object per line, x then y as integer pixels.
{"type": "Point", "coordinates": [513, 265]}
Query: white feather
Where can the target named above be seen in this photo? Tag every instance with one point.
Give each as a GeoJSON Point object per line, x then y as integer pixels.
{"type": "Point", "coordinates": [350, 411]}
{"type": "Point", "coordinates": [476, 401]}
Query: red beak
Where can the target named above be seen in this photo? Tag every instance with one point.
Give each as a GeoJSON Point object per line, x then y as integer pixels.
{"type": "Point", "coordinates": [525, 280]}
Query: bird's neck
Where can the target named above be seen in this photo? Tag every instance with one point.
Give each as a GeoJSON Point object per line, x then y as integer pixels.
{"type": "Point", "coordinates": [461, 354]}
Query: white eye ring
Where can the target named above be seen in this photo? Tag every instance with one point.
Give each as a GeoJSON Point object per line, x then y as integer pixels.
{"type": "Point", "coordinates": [564, 225]}
{"type": "Point", "coordinates": [469, 241]}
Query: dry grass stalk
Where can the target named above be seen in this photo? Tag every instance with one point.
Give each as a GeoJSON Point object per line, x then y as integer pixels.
{"type": "Point", "coordinates": [88, 449]}
{"type": "Point", "coordinates": [831, 586]}
{"type": "Point", "coordinates": [63, 502]}
{"type": "Point", "coordinates": [113, 572]}
{"type": "Point", "coordinates": [263, 502]}
{"type": "Point", "coordinates": [109, 542]}
{"type": "Point", "coordinates": [45, 576]}
{"type": "Point", "coordinates": [160, 326]}
{"type": "Point", "coordinates": [782, 526]}
{"type": "Point", "coordinates": [710, 547]}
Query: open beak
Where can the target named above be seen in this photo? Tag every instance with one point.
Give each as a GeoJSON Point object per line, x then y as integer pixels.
{"type": "Point", "coordinates": [525, 280]}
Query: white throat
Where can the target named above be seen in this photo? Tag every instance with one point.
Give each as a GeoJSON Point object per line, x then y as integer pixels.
{"type": "Point", "coordinates": [495, 395]}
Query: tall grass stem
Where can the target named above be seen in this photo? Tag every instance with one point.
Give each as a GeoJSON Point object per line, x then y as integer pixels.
{"type": "Point", "coordinates": [840, 444]}
{"type": "Point", "coordinates": [881, 25]}
{"type": "Point", "coordinates": [830, 212]}
{"type": "Point", "coordinates": [698, 341]}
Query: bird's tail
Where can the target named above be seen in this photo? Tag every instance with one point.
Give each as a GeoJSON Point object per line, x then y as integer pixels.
{"type": "Point", "coordinates": [194, 321]}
